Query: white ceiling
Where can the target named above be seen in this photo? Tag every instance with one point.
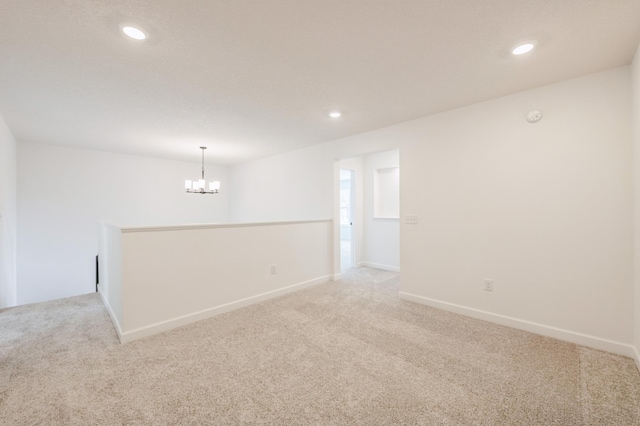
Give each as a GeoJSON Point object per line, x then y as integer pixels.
{"type": "Point", "coordinates": [251, 78]}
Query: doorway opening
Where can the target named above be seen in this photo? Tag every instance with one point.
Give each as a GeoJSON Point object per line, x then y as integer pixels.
{"type": "Point", "coordinates": [367, 212]}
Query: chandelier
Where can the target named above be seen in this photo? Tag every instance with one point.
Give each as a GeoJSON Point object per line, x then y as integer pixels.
{"type": "Point", "coordinates": [198, 186]}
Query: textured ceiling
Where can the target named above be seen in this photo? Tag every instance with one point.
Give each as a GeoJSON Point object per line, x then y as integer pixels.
{"type": "Point", "coordinates": [251, 78]}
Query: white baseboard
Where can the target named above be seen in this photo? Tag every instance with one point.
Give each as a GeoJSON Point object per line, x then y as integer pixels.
{"type": "Point", "coordinates": [152, 329]}
{"type": "Point", "coordinates": [380, 266]}
{"type": "Point", "coordinates": [636, 357]}
{"type": "Point", "coordinates": [544, 330]}
{"type": "Point", "coordinates": [114, 320]}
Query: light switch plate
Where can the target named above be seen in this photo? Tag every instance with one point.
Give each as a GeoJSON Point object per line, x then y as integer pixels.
{"type": "Point", "coordinates": [411, 219]}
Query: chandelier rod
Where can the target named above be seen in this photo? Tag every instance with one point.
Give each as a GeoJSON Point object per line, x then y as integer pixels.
{"type": "Point", "coordinates": [203, 148]}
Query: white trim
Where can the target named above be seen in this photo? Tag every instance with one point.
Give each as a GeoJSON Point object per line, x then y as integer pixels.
{"type": "Point", "coordinates": [544, 330]}
{"type": "Point", "coordinates": [114, 320]}
{"type": "Point", "coordinates": [149, 330]}
{"type": "Point", "coordinates": [214, 225]}
{"type": "Point", "coordinates": [636, 357]}
{"type": "Point", "coordinates": [336, 277]}
{"type": "Point", "coordinates": [380, 266]}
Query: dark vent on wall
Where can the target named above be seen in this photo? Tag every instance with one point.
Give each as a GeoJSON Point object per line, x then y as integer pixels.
{"type": "Point", "coordinates": [97, 274]}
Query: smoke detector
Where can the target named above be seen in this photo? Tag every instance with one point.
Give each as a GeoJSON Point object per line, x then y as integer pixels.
{"type": "Point", "coordinates": [534, 116]}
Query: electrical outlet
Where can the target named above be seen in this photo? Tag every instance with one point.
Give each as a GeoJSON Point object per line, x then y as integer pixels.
{"type": "Point", "coordinates": [488, 285]}
{"type": "Point", "coordinates": [273, 269]}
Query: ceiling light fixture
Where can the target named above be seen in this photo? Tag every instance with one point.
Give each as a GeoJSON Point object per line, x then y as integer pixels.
{"type": "Point", "coordinates": [335, 114]}
{"type": "Point", "coordinates": [198, 186]}
{"type": "Point", "coordinates": [134, 33]}
{"type": "Point", "coordinates": [523, 48]}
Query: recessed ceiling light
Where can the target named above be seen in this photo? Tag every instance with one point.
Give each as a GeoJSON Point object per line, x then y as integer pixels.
{"type": "Point", "coordinates": [335, 114]}
{"type": "Point", "coordinates": [523, 48]}
{"type": "Point", "coordinates": [134, 33]}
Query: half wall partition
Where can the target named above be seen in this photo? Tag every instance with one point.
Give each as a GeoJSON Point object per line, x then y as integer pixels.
{"type": "Point", "coordinates": [154, 279]}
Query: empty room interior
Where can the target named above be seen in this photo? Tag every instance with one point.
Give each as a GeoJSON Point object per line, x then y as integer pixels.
{"type": "Point", "coordinates": [320, 212]}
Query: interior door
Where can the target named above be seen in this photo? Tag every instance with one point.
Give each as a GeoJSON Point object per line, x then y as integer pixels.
{"type": "Point", "coordinates": [347, 206]}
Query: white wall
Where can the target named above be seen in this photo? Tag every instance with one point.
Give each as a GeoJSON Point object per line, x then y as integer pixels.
{"type": "Point", "coordinates": [7, 217]}
{"type": "Point", "coordinates": [63, 192]}
{"type": "Point", "coordinates": [636, 167]}
{"type": "Point", "coordinates": [381, 235]}
{"type": "Point", "coordinates": [290, 186]}
{"type": "Point", "coordinates": [545, 210]}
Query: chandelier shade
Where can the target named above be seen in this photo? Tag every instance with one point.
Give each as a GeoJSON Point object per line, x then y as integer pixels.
{"type": "Point", "coordinates": [199, 186]}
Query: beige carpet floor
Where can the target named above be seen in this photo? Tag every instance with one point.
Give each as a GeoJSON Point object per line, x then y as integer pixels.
{"type": "Point", "coordinates": [347, 352]}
